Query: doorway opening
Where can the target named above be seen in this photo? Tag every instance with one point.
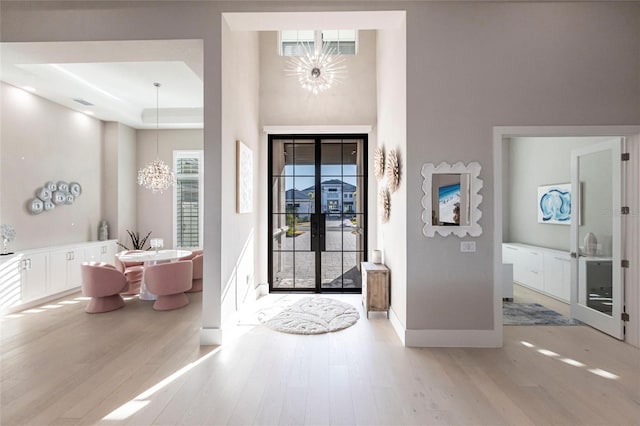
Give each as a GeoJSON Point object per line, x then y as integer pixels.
{"type": "Point", "coordinates": [317, 212]}
{"type": "Point", "coordinates": [560, 263]}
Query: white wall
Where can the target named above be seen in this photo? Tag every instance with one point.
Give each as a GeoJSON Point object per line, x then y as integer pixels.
{"type": "Point", "coordinates": [392, 100]}
{"type": "Point", "coordinates": [241, 265]}
{"type": "Point", "coordinates": [532, 162]}
{"type": "Point", "coordinates": [155, 211]}
{"type": "Point", "coordinates": [42, 141]}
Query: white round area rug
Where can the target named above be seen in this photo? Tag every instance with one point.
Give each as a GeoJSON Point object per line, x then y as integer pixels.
{"type": "Point", "coordinates": [314, 315]}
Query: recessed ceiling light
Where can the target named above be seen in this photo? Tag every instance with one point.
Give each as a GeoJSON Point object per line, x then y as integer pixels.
{"type": "Point", "coordinates": [88, 112]}
{"type": "Point", "coordinates": [29, 89]}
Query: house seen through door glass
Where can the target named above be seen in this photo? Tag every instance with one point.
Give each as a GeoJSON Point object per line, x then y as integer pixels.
{"type": "Point", "coordinates": [317, 212]}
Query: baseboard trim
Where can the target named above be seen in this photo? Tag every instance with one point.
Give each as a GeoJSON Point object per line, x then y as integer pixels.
{"type": "Point", "coordinates": [40, 301]}
{"type": "Point", "coordinates": [210, 337]}
{"type": "Point", "coordinates": [397, 326]}
{"type": "Point", "coordinates": [454, 338]}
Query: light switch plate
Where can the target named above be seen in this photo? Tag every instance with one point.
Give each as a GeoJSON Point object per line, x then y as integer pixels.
{"type": "Point", "coordinates": [467, 246]}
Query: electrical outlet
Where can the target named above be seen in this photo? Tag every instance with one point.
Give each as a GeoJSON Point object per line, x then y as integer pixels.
{"type": "Point", "coordinates": [467, 246]}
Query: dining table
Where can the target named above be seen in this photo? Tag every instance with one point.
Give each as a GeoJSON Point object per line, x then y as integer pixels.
{"type": "Point", "coordinates": [153, 257]}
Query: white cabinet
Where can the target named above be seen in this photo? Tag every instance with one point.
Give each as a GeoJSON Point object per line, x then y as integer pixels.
{"type": "Point", "coordinates": [33, 276]}
{"type": "Point", "coordinates": [557, 274]}
{"type": "Point", "coordinates": [10, 280]}
{"type": "Point", "coordinates": [527, 264]}
{"type": "Point", "coordinates": [542, 269]}
{"type": "Point", "coordinates": [64, 273]}
{"type": "Point", "coordinates": [36, 275]}
{"type": "Point", "coordinates": [101, 252]}
{"type": "Point", "coordinates": [533, 268]}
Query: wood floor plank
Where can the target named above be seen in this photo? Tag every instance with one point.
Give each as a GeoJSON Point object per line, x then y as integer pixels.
{"type": "Point", "coordinates": [137, 366]}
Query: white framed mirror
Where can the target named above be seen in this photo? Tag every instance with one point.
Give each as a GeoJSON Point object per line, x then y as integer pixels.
{"type": "Point", "coordinates": [451, 199]}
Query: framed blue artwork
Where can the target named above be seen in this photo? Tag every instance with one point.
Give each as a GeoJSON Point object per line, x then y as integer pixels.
{"type": "Point", "coordinates": [554, 204]}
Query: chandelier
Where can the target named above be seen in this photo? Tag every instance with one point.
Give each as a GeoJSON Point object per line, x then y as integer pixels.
{"type": "Point", "coordinates": [317, 70]}
{"type": "Point", "coordinates": [157, 176]}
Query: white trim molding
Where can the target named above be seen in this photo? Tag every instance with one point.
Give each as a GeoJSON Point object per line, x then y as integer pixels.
{"type": "Point", "coordinates": [454, 338]}
{"type": "Point", "coordinates": [210, 336]}
{"type": "Point", "coordinates": [398, 327]}
{"type": "Point", "coordinates": [312, 130]}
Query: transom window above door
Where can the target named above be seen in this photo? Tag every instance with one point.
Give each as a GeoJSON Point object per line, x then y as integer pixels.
{"type": "Point", "coordinates": [294, 42]}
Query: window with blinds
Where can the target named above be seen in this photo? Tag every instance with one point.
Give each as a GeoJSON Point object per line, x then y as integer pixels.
{"type": "Point", "coordinates": [188, 199]}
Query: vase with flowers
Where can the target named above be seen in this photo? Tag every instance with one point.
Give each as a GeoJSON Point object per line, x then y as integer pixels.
{"type": "Point", "coordinates": [8, 234]}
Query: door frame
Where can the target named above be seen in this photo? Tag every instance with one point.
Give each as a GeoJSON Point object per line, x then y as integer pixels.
{"type": "Point", "coordinates": [499, 134]}
{"type": "Point", "coordinates": [317, 137]}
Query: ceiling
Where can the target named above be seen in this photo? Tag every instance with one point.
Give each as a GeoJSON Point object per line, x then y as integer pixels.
{"type": "Point", "coordinates": [115, 77]}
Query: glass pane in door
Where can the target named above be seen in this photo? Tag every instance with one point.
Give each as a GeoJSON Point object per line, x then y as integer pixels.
{"type": "Point", "coordinates": [292, 195]}
{"type": "Point", "coordinates": [317, 222]}
{"type": "Point", "coordinates": [341, 202]}
{"type": "Point", "coordinates": [282, 262]}
{"type": "Point", "coordinates": [597, 295]}
{"type": "Point", "coordinates": [595, 232]}
{"type": "Point", "coordinates": [331, 270]}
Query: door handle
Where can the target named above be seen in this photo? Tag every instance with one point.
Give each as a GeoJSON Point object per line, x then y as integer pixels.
{"type": "Point", "coordinates": [322, 230]}
{"type": "Point", "coordinates": [314, 231]}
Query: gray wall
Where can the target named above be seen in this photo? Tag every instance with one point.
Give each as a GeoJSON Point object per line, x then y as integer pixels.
{"type": "Point", "coordinates": [42, 141]}
{"type": "Point", "coordinates": [119, 184]}
{"type": "Point", "coordinates": [533, 162]}
{"type": "Point", "coordinates": [155, 211]}
{"type": "Point", "coordinates": [470, 66]}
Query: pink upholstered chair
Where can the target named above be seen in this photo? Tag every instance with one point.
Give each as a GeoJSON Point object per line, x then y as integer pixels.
{"type": "Point", "coordinates": [169, 281]}
{"type": "Point", "coordinates": [103, 283]}
{"type": "Point", "coordinates": [196, 283]}
{"type": "Point", "coordinates": [132, 271]}
{"type": "Point", "coordinates": [193, 254]}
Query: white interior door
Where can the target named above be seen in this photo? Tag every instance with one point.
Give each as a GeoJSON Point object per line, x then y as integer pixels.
{"type": "Point", "coordinates": [597, 279]}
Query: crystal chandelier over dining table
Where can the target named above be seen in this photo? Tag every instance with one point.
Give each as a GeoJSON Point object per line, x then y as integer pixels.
{"type": "Point", "coordinates": [157, 175]}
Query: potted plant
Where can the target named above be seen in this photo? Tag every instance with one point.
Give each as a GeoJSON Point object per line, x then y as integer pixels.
{"type": "Point", "coordinates": [136, 242]}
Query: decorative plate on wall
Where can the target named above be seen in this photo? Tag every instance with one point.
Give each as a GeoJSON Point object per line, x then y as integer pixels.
{"type": "Point", "coordinates": [75, 189]}
{"type": "Point", "coordinates": [63, 186]}
{"type": "Point", "coordinates": [52, 194]}
{"type": "Point", "coordinates": [44, 194]}
{"type": "Point", "coordinates": [383, 205]}
{"type": "Point", "coordinates": [392, 171]}
{"type": "Point", "coordinates": [35, 206]}
{"type": "Point", "coordinates": [378, 164]}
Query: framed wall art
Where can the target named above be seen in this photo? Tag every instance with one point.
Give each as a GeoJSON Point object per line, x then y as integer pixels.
{"type": "Point", "coordinates": [554, 204]}
{"type": "Point", "coordinates": [244, 178]}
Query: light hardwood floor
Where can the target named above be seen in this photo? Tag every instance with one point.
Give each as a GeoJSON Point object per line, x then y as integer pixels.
{"type": "Point", "coordinates": [137, 366]}
{"type": "Point", "coordinates": [522, 294]}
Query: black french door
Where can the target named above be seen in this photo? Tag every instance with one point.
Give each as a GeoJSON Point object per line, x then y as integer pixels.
{"type": "Point", "coordinates": [317, 212]}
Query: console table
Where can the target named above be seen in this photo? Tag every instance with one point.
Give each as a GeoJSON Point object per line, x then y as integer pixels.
{"type": "Point", "coordinates": [375, 287]}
